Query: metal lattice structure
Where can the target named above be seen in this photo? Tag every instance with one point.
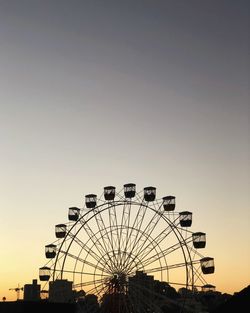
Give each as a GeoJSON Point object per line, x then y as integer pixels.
{"type": "Point", "coordinates": [126, 248]}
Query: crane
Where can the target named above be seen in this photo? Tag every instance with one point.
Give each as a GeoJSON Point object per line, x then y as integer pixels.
{"type": "Point", "coordinates": [17, 290]}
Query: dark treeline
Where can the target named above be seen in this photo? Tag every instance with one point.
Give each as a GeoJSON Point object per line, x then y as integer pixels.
{"type": "Point", "coordinates": [231, 304]}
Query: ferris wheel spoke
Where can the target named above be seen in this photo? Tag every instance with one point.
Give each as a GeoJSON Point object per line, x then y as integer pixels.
{"type": "Point", "coordinates": [81, 273]}
{"type": "Point", "coordinates": [121, 230]}
{"type": "Point", "coordinates": [198, 275]}
{"type": "Point", "coordinates": [139, 196]}
{"type": "Point", "coordinates": [107, 264]}
{"type": "Point", "coordinates": [96, 287]}
{"type": "Point", "coordinates": [90, 283]}
{"type": "Point", "coordinates": [106, 240]}
{"type": "Point", "coordinates": [95, 274]}
{"type": "Point", "coordinates": [95, 266]}
{"type": "Point", "coordinates": [162, 254]}
{"type": "Point", "coordinates": [114, 238]}
{"type": "Point", "coordinates": [100, 291]}
{"type": "Point", "coordinates": [135, 261]}
{"type": "Point", "coordinates": [100, 288]}
{"type": "Point", "coordinates": [152, 259]}
{"type": "Point", "coordinates": [125, 228]}
{"type": "Point", "coordinates": [158, 239]}
{"type": "Point", "coordinates": [98, 258]}
{"type": "Point", "coordinates": [147, 231]}
{"type": "Point", "coordinates": [98, 243]}
{"type": "Point", "coordinates": [85, 245]}
{"type": "Point", "coordinates": [196, 252]}
{"type": "Point", "coordinates": [169, 267]}
{"type": "Point", "coordinates": [117, 240]}
{"type": "Point", "coordinates": [137, 227]}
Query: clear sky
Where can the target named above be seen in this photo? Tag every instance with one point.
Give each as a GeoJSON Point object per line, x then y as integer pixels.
{"type": "Point", "coordinates": [94, 93]}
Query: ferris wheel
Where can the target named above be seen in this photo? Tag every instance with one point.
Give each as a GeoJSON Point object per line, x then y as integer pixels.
{"type": "Point", "coordinates": [127, 248]}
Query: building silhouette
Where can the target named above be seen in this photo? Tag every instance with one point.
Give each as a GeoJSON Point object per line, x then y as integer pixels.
{"type": "Point", "coordinates": [60, 291]}
{"type": "Point", "coordinates": [32, 291]}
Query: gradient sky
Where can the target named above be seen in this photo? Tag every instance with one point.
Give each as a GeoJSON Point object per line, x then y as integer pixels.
{"type": "Point", "coordinates": [94, 93]}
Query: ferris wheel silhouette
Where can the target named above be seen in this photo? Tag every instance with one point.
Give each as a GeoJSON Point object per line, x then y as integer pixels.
{"type": "Point", "coordinates": [127, 247]}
